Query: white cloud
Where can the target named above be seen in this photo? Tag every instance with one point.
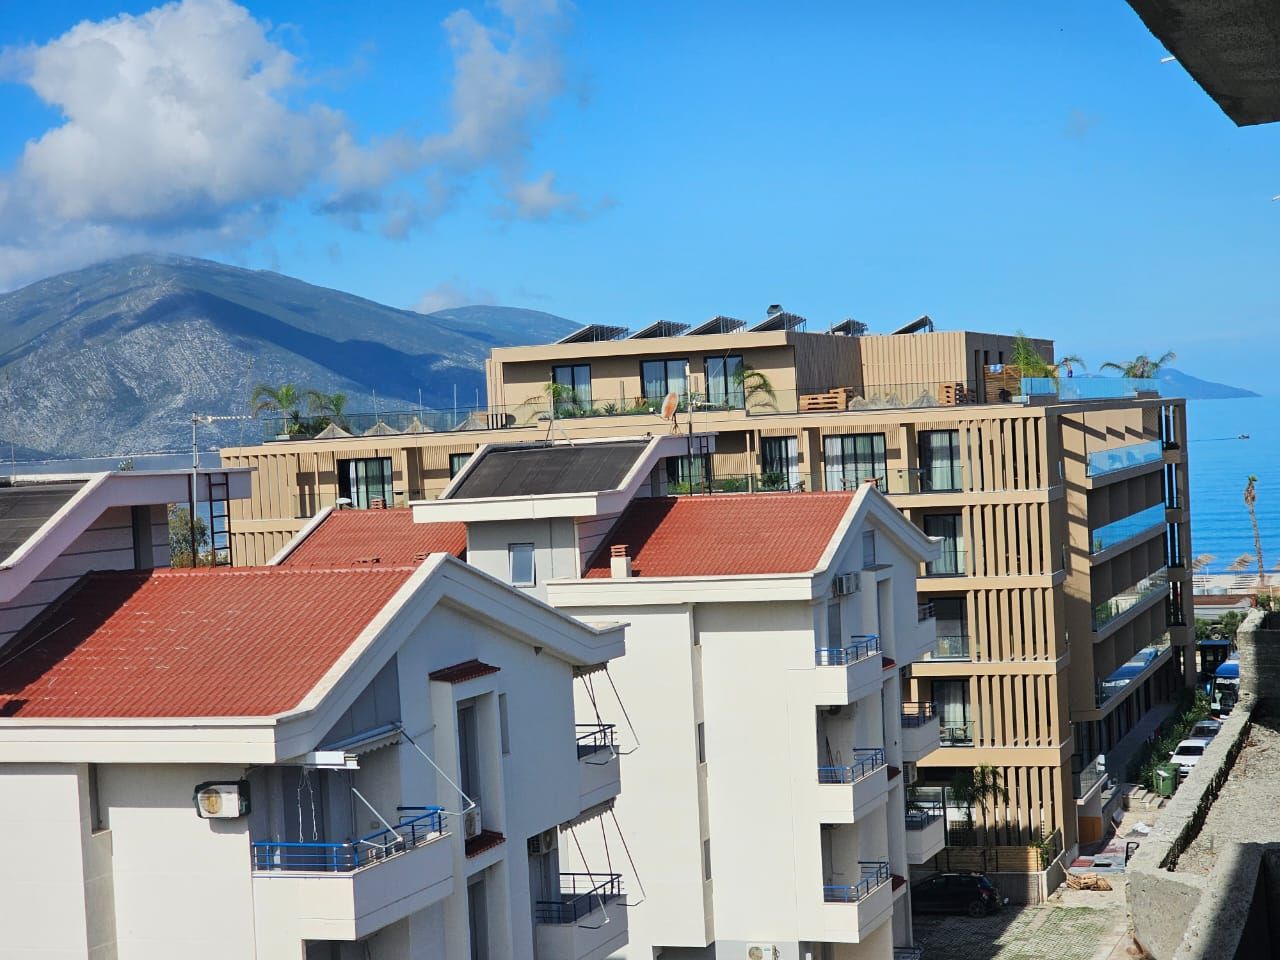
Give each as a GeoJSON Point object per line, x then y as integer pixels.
{"type": "Point", "coordinates": [450, 294]}
{"type": "Point", "coordinates": [186, 127]}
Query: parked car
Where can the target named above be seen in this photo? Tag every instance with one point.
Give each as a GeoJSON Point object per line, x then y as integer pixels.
{"type": "Point", "coordinates": [1205, 730]}
{"type": "Point", "coordinates": [1188, 754]}
{"type": "Point", "coordinates": [970, 893]}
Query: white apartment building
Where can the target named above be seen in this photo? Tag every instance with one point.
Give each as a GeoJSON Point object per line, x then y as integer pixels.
{"type": "Point", "coordinates": [767, 794]}
{"type": "Point", "coordinates": [355, 753]}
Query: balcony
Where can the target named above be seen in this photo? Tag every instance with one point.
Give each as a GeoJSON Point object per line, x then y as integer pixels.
{"type": "Point", "coordinates": [950, 564]}
{"type": "Point", "coordinates": [921, 732]}
{"type": "Point", "coordinates": [588, 922]}
{"type": "Point", "coordinates": [349, 890]}
{"type": "Point", "coordinates": [849, 673]}
{"type": "Point", "coordinates": [850, 913]}
{"type": "Point", "coordinates": [955, 647]}
{"type": "Point", "coordinates": [924, 611]}
{"type": "Point", "coordinates": [956, 733]}
{"type": "Point", "coordinates": [1156, 583]}
{"type": "Point", "coordinates": [926, 832]}
{"type": "Point", "coordinates": [1113, 459]}
{"type": "Point", "coordinates": [1093, 773]}
{"type": "Point", "coordinates": [598, 773]}
{"type": "Point", "coordinates": [940, 478]}
{"type": "Point", "coordinates": [848, 792]}
{"type": "Point", "coordinates": [1149, 521]}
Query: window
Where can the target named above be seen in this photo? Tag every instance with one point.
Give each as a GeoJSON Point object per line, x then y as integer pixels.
{"type": "Point", "coordinates": [572, 387]}
{"type": "Point", "coordinates": [706, 859]}
{"type": "Point", "coordinates": [702, 742]}
{"type": "Point", "coordinates": [940, 467]}
{"type": "Point", "coordinates": [660, 377]}
{"type": "Point", "coordinates": [456, 462]}
{"type": "Point", "coordinates": [724, 382]}
{"type": "Point", "coordinates": [504, 730]}
{"type": "Point", "coordinates": [868, 549]}
{"type": "Point", "coordinates": [521, 557]}
{"type": "Point", "coordinates": [687, 474]}
{"type": "Point", "coordinates": [852, 459]}
{"type": "Point", "coordinates": [948, 526]}
{"type": "Point", "coordinates": [834, 635]}
{"type": "Point", "coordinates": [363, 481]}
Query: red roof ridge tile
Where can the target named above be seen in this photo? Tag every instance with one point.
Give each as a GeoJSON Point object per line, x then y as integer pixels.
{"type": "Point", "coordinates": [273, 571]}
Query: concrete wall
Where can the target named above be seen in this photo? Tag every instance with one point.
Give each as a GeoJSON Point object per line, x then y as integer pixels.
{"type": "Point", "coordinates": [555, 546]}
{"type": "Point", "coordinates": [1258, 641]}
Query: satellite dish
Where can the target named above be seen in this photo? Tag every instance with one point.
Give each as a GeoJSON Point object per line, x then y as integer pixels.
{"type": "Point", "coordinates": [670, 404]}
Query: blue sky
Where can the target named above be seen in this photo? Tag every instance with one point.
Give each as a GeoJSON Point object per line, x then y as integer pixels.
{"type": "Point", "coordinates": [997, 166]}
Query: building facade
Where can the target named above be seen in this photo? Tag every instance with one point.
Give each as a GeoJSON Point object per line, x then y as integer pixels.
{"type": "Point", "coordinates": [767, 803]}
{"type": "Point", "coordinates": [330, 758]}
{"type": "Point", "coordinates": [1061, 594]}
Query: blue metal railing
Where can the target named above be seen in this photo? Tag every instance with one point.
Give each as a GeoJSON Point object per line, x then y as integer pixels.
{"type": "Point", "coordinates": [923, 814]}
{"type": "Point", "coordinates": [866, 761]}
{"type": "Point", "coordinates": [580, 895]}
{"type": "Point", "coordinates": [417, 825]}
{"type": "Point", "coordinates": [595, 737]}
{"type": "Point", "coordinates": [864, 645]}
{"type": "Point", "coordinates": [917, 713]}
{"type": "Point", "coordinates": [874, 873]}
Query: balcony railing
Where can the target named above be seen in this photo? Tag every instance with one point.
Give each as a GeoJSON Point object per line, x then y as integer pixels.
{"type": "Point", "coordinates": [948, 648]}
{"type": "Point", "coordinates": [417, 825]}
{"type": "Point", "coordinates": [950, 564]}
{"type": "Point", "coordinates": [1102, 462]}
{"type": "Point", "coordinates": [943, 478]}
{"type": "Point", "coordinates": [908, 953]}
{"type": "Point", "coordinates": [862, 647]}
{"type": "Point", "coordinates": [917, 713]}
{"type": "Point", "coordinates": [596, 738]}
{"type": "Point", "coordinates": [1088, 777]}
{"type": "Point", "coordinates": [874, 873]}
{"type": "Point", "coordinates": [956, 733]}
{"type": "Point", "coordinates": [1118, 531]}
{"type": "Point", "coordinates": [924, 611]}
{"type": "Point", "coordinates": [1088, 388]}
{"type": "Point", "coordinates": [581, 894]}
{"type": "Point", "coordinates": [866, 760]}
{"type": "Point", "coordinates": [922, 814]}
{"type": "Point", "coordinates": [1125, 600]}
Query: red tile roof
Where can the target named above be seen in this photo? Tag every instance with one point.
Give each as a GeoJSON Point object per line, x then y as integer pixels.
{"type": "Point", "coordinates": [729, 535]}
{"type": "Point", "coordinates": [461, 672]}
{"type": "Point", "coordinates": [226, 643]}
{"type": "Point", "coordinates": [385, 537]}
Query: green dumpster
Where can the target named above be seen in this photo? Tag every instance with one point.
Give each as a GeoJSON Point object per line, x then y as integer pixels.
{"type": "Point", "coordinates": [1166, 779]}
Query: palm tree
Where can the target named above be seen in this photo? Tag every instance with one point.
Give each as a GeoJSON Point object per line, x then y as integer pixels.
{"type": "Point", "coordinates": [331, 406]}
{"type": "Point", "coordinates": [1141, 367]}
{"type": "Point", "coordinates": [755, 386]}
{"type": "Point", "coordinates": [1031, 364]}
{"type": "Point", "coordinates": [283, 399]}
{"type": "Point", "coordinates": [977, 787]}
{"type": "Point", "coordinates": [1251, 503]}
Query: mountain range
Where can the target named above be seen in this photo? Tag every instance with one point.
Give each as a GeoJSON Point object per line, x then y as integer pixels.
{"type": "Point", "coordinates": [115, 358]}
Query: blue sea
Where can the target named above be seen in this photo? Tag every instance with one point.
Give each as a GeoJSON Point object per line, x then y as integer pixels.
{"type": "Point", "coordinates": [1220, 465]}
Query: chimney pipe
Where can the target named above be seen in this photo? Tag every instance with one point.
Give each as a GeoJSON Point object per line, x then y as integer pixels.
{"type": "Point", "coordinates": [619, 561]}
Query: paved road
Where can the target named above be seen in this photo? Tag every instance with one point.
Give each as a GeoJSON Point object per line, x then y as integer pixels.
{"type": "Point", "coordinates": [1047, 932]}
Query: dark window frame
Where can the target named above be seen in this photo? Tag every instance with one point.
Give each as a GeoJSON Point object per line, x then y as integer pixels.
{"type": "Point", "coordinates": [666, 378]}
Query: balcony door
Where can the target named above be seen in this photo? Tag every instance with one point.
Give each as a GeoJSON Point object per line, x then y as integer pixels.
{"type": "Point", "coordinates": [366, 480]}
{"type": "Point", "coordinates": [940, 468]}
{"type": "Point", "coordinates": [779, 463]}
{"type": "Point", "coordinates": [950, 527]}
{"type": "Point", "coordinates": [951, 704]}
{"type": "Point", "coordinates": [852, 459]}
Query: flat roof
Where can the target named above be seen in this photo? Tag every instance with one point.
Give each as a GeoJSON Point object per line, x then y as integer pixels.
{"type": "Point", "coordinates": [26, 506]}
{"type": "Point", "coordinates": [539, 469]}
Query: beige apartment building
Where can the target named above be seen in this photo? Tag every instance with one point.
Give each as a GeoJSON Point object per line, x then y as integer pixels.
{"type": "Point", "coordinates": [1062, 594]}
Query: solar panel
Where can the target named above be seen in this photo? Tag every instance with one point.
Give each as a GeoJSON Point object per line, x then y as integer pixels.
{"type": "Point", "coordinates": [850, 328]}
{"type": "Point", "coordinates": [717, 324]}
{"type": "Point", "coordinates": [594, 332]}
{"type": "Point", "coordinates": [782, 320]}
{"type": "Point", "coordinates": [661, 328]}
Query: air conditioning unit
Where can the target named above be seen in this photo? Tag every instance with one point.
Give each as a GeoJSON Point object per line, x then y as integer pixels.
{"type": "Point", "coordinates": [909, 772]}
{"type": "Point", "coordinates": [845, 584]}
{"type": "Point", "coordinates": [221, 800]}
{"type": "Point", "coordinates": [471, 823]}
{"type": "Point", "coordinates": [543, 843]}
{"type": "Point", "coordinates": [762, 951]}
